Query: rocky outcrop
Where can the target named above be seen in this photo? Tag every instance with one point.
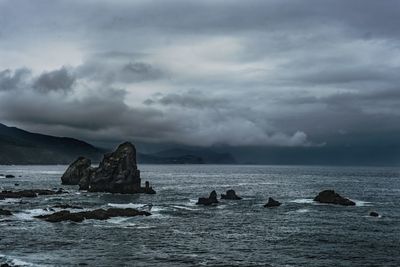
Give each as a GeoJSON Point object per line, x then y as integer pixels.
{"type": "Point", "coordinates": [76, 171]}
{"type": "Point", "coordinates": [231, 195]}
{"type": "Point", "coordinates": [29, 193]}
{"type": "Point", "coordinates": [272, 203]}
{"type": "Point", "coordinates": [331, 197]}
{"type": "Point", "coordinates": [98, 214]}
{"type": "Point", "coordinates": [116, 173]}
{"type": "Point", "coordinates": [5, 212]}
{"type": "Point", "coordinates": [212, 199]}
{"type": "Point", "coordinates": [10, 176]}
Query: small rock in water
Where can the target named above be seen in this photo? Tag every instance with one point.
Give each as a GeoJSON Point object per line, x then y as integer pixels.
{"type": "Point", "coordinates": [331, 197]}
{"type": "Point", "coordinates": [10, 176]}
{"type": "Point", "coordinates": [272, 203]}
{"type": "Point", "coordinates": [374, 214]}
{"type": "Point", "coordinates": [5, 212]}
{"type": "Point", "coordinates": [212, 199]}
{"type": "Point", "coordinates": [16, 184]}
{"type": "Point", "coordinates": [230, 194]}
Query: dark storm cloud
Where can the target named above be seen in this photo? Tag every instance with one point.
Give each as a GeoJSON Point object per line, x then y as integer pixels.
{"type": "Point", "coordinates": [279, 72]}
{"type": "Point", "coordinates": [10, 80]}
{"type": "Point", "coordinates": [56, 80]}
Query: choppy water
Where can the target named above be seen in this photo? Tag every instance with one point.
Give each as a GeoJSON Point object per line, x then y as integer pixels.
{"type": "Point", "coordinates": [234, 233]}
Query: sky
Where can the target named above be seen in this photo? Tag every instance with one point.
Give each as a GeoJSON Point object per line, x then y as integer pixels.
{"type": "Point", "coordinates": [203, 73]}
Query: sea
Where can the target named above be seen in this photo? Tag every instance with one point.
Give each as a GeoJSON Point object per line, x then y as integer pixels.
{"type": "Point", "coordinates": [300, 232]}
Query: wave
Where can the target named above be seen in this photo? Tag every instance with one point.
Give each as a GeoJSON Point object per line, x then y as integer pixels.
{"type": "Point", "coordinates": [303, 201]}
{"type": "Point", "coordinates": [16, 262]}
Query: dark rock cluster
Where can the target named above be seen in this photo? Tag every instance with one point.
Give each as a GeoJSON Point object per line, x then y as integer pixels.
{"type": "Point", "coordinates": [116, 173]}
{"type": "Point", "coordinates": [331, 197]}
{"type": "Point", "coordinates": [212, 199]}
{"type": "Point", "coordinates": [5, 212]}
{"type": "Point", "coordinates": [230, 194]}
{"type": "Point", "coordinates": [98, 214]}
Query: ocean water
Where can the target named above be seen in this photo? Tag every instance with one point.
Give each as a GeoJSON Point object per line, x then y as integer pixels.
{"type": "Point", "coordinates": [234, 233]}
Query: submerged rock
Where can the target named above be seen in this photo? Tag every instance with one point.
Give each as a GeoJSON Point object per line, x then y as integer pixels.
{"type": "Point", "coordinates": [10, 176]}
{"type": "Point", "coordinates": [212, 199]}
{"type": "Point", "coordinates": [331, 197]}
{"type": "Point", "coordinates": [117, 173]}
{"type": "Point", "coordinates": [29, 193]}
{"type": "Point", "coordinates": [5, 212]}
{"type": "Point", "coordinates": [98, 214]}
{"type": "Point", "coordinates": [272, 203]}
{"type": "Point", "coordinates": [76, 171]}
{"type": "Point", "coordinates": [230, 194]}
{"type": "Point", "coordinates": [374, 214]}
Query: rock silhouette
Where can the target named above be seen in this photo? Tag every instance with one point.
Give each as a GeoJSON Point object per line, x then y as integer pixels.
{"type": "Point", "coordinates": [231, 195]}
{"type": "Point", "coordinates": [116, 173]}
{"type": "Point", "coordinates": [5, 212]}
{"type": "Point", "coordinates": [272, 203]}
{"type": "Point", "coordinates": [331, 197]}
{"type": "Point", "coordinates": [212, 199]}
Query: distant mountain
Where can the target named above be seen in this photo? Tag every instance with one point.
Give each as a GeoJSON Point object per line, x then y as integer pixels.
{"type": "Point", "coordinates": [21, 147]}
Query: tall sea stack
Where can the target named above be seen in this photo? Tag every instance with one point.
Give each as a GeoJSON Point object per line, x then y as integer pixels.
{"type": "Point", "coordinates": [117, 173]}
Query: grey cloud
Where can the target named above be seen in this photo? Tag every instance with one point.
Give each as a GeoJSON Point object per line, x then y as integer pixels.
{"type": "Point", "coordinates": [10, 80]}
{"type": "Point", "coordinates": [56, 80]}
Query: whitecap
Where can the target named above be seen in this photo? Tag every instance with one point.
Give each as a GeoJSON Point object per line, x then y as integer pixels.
{"type": "Point", "coordinates": [360, 203]}
{"type": "Point", "coordinates": [126, 205]}
{"type": "Point", "coordinates": [28, 215]}
{"type": "Point", "coordinates": [303, 201]}
{"type": "Point", "coordinates": [183, 208]}
{"type": "Point", "coordinates": [302, 210]}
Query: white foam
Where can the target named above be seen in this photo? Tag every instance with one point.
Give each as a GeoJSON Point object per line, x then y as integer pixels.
{"type": "Point", "coordinates": [183, 208]}
{"type": "Point", "coordinates": [360, 203]}
{"type": "Point", "coordinates": [127, 205]}
{"type": "Point", "coordinates": [303, 201]}
{"type": "Point", "coordinates": [302, 210]}
{"type": "Point", "coordinates": [28, 215]}
{"type": "Point", "coordinates": [18, 262]}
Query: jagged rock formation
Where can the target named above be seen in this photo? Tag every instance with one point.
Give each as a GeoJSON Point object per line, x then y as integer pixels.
{"type": "Point", "coordinates": [117, 173]}
{"type": "Point", "coordinates": [272, 203]}
{"type": "Point", "coordinates": [231, 195]}
{"type": "Point", "coordinates": [98, 214]}
{"type": "Point", "coordinates": [212, 199]}
{"type": "Point", "coordinates": [331, 197]}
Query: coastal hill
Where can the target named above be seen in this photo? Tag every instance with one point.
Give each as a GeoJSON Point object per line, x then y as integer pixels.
{"type": "Point", "coordinates": [18, 146]}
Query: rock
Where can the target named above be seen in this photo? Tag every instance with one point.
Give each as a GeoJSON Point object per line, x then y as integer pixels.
{"type": "Point", "coordinates": [374, 214]}
{"type": "Point", "coordinates": [272, 203]}
{"type": "Point", "coordinates": [66, 206]}
{"type": "Point", "coordinates": [230, 194]}
{"type": "Point", "coordinates": [212, 199]}
{"type": "Point", "coordinates": [29, 193]}
{"type": "Point", "coordinates": [331, 197]}
{"type": "Point", "coordinates": [5, 212]}
{"type": "Point", "coordinates": [76, 171]}
{"type": "Point", "coordinates": [98, 214]}
{"type": "Point", "coordinates": [117, 173]}
{"type": "Point", "coordinates": [10, 176]}
{"type": "Point", "coordinates": [16, 184]}
{"type": "Point", "coordinates": [5, 265]}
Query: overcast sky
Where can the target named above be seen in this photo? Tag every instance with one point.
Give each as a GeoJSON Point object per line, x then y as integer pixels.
{"type": "Point", "coordinates": [282, 73]}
